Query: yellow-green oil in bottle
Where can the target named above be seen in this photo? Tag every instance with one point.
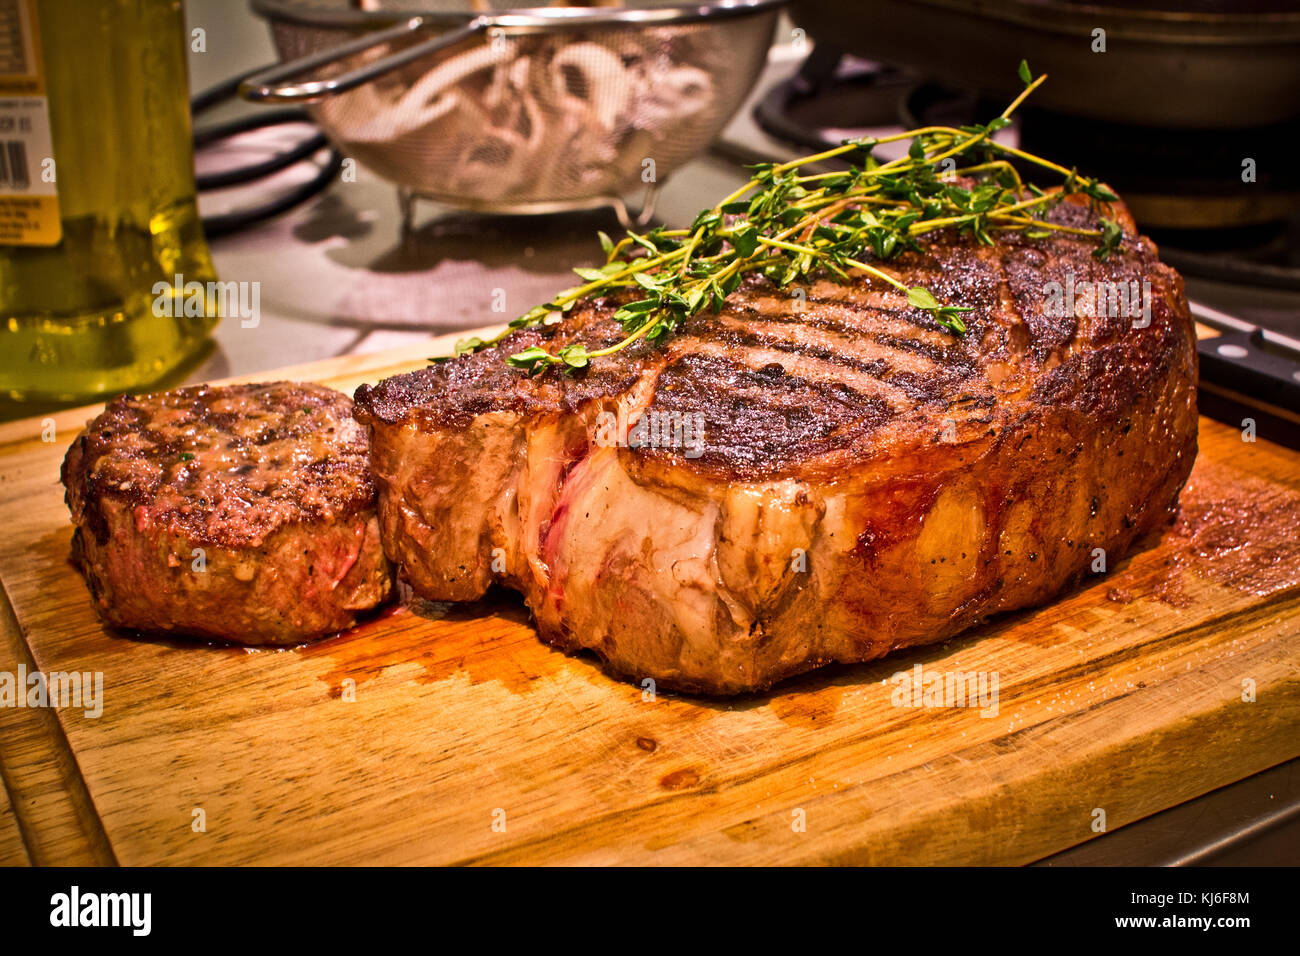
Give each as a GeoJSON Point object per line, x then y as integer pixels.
{"type": "Point", "coordinates": [81, 318]}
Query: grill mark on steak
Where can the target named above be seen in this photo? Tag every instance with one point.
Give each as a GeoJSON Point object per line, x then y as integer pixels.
{"type": "Point", "coordinates": [758, 417]}
{"type": "Point", "coordinates": [766, 338]}
{"type": "Point", "coordinates": [861, 352]}
{"type": "Point", "coordinates": [920, 382]}
{"type": "Point", "coordinates": [845, 317]}
{"type": "Point", "coordinates": [940, 356]}
{"type": "Point", "coordinates": [856, 386]}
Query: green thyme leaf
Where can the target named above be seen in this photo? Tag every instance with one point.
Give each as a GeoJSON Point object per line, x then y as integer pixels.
{"type": "Point", "coordinates": [533, 358]}
{"type": "Point", "coordinates": [745, 241]}
{"type": "Point", "coordinates": [919, 298]}
{"type": "Point", "coordinates": [575, 355]}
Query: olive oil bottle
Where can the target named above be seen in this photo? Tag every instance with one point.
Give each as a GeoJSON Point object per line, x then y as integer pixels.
{"type": "Point", "coordinates": [97, 202]}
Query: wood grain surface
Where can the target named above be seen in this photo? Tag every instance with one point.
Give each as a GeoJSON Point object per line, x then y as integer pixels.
{"type": "Point", "coordinates": [450, 734]}
{"type": "Point", "coordinates": [12, 850]}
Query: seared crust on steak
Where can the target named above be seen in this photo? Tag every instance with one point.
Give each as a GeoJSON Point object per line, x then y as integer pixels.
{"type": "Point", "coordinates": [867, 480]}
{"type": "Point", "coordinates": [242, 513]}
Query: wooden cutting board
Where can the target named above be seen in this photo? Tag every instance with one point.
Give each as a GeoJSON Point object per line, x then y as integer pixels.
{"type": "Point", "coordinates": [466, 740]}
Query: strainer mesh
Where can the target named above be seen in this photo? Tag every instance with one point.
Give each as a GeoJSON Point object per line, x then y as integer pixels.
{"type": "Point", "coordinates": [540, 118]}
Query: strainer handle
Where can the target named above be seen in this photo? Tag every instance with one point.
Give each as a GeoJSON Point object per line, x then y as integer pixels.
{"type": "Point", "coordinates": [277, 85]}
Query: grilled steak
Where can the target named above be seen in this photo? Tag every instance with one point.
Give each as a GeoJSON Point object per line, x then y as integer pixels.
{"type": "Point", "coordinates": [865, 481]}
{"type": "Point", "coordinates": [241, 513]}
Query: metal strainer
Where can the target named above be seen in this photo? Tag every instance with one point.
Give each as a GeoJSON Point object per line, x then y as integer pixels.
{"type": "Point", "coordinates": [523, 110]}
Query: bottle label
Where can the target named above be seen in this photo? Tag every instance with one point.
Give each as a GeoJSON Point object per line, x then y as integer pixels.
{"type": "Point", "coordinates": [29, 197]}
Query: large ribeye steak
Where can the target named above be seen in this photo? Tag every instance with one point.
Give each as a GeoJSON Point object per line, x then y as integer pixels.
{"type": "Point", "coordinates": [807, 477]}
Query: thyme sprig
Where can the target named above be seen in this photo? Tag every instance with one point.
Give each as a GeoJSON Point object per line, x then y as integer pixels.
{"type": "Point", "coordinates": [787, 224]}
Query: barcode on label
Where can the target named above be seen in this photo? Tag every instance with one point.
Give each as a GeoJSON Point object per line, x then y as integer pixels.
{"type": "Point", "coordinates": [13, 165]}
